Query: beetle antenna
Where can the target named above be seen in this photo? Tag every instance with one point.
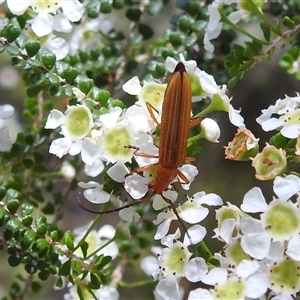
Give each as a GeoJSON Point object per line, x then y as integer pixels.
{"type": "Point", "coordinates": [109, 210]}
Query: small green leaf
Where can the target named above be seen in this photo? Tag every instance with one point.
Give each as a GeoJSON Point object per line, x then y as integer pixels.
{"type": "Point", "coordinates": [3, 23]}
{"type": "Point", "coordinates": [13, 205]}
{"type": "Point", "coordinates": [32, 47]}
{"type": "Point", "coordinates": [118, 4]}
{"type": "Point", "coordinates": [12, 32]}
{"type": "Point", "coordinates": [100, 95]}
{"type": "Point", "coordinates": [47, 57]}
{"type": "Point", "coordinates": [27, 221]}
{"type": "Point", "coordinates": [34, 63]}
{"type": "Point", "coordinates": [106, 8]}
{"type": "Point", "coordinates": [68, 239]}
{"type": "Point", "coordinates": [14, 260]}
{"type": "Point", "coordinates": [146, 31]}
{"type": "Point", "coordinates": [40, 219]}
{"type": "Point", "coordinates": [95, 281]}
{"type": "Point", "coordinates": [14, 224]}
{"type": "Point", "coordinates": [54, 235]}
{"type": "Point", "coordinates": [13, 50]}
{"type": "Point", "coordinates": [44, 275]}
{"type": "Point", "coordinates": [36, 286]}
{"type": "Point", "coordinates": [102, 261]}
{"type": "Point", "coordinates": [2, 192]}
{"type": "Point", "coordinates": [48, 209]}
{"type": "Point", "coordinates": [84, 247]}
{"type": "Point", "coordinates": [70, 74]}
{"type": "Point", "coordinates": [79, 293]}
{"type": "Point", "coordinates": [2, 213]}
{"type": "Point", "coordinates": [133, 14]}
{"type": "Point", "coordinates": [41, 229]}
{"type": "Point", "coordinates": [84, 83]}
{"type": "Point", "coordinates": [266, 31]}
{"type": "Point", "coordinates": [33, 91]}
{"type": "Point", "coordinates": [154, 7]}
{"type": "Point", "coordinates": [59, 282]}
{"type": "Point", "coordinates": [18, 62]}
{"type": "Point", "coordinates": [28, 163]}
{"type": "Point", "coordinates": [288, 22]}
{"type": "Point", "coordinates": [53, 79]}
{"type": "Point", "coordinates": [65, 269]}
{"type": "Point", "coordinates": [175, 39]}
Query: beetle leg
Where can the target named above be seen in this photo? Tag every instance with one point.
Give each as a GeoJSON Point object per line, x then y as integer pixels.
{"type": "Point", "coordinates": [195, 122]}
{"type": "Point", "coordinates": [150, 108]}
{"type": "Point", "coordinates": [137, 153]}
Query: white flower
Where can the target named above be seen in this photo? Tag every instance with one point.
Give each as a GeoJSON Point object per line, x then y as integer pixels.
{"type": "Point", "coordinates": [6, 112]}
{"type": "Point", "coordinates": [45, 22]}
{"type": "Point", "coordinates": [288, 121]}
{"type": "Point", "coordinates": [94, 192]}
{"type": "Point", "coordinates": [75, 124]}
{"type": "Point", "coordinates": [280, 219]}
{"type": "Point", "coordinates": [248, 281]}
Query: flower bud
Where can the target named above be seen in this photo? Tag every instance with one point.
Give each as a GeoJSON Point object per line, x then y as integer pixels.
{"type": "Point", "coordinates": [210, 130]}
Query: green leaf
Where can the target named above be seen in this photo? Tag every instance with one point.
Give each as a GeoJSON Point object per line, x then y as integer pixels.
{"type": "Point", "coordinates": [36, 286]}
{"type": "Point", "coordinates": [48, 209]}
{"type": "Point", "coordinates": [65, 269]}
{"type": "Point", "coordinates": [133, 14]}
{"type": "Point", "coordinates": [53, 79]}
{"type": "Point", "coordinates": [40, 219]}
{"type": "Point", "coordinates": [175, 39]}
{"type": "Point", "coordinates": [12, 32]}
{"type": "Point", "coordinates": [33, 91]}
{"type": "Point", "coordinates": [266, 31]}
{"type": "Point", "coordinates": [100, 95]}
{"type": "Point", "coordinates": [18, 62]}
{"type": "Point", "coordinates": [32, 47]}
{"type": "Point", "coordinates": [12, 194]}
{"type": "Point", "coordinates": [154, 7]}
{"type": "Point", "coordinates": [59, 282]}
{"type": "Point", "coordinates": [68, 239]}
{"type": "Point", "coordinates": [47, 57]}
{"type": "Point", "coordinates": [41, 229]}
{"type": "Point", "coordinates": [14, 224]}
{"type": "Point", "coordinates": [34, 63]}
{"type": "Point", "coordinates": [146, 31]}
{"type": "Point", "coordinates": [288, 22]}
{"type": "Point", "coordinates": [2, 192]}
{"type": "Point", "coordinates": [189, 41]}
{"type": "Point", "coordinates": [84, 247]}
{"type": "Point", "coordinates": [26, 209]}
{"type": "Point", "coordinates": [102, 261]}
{"type": "Point", "coordinates": [13, 50]}
{"type": "Point", "coordinates": [27, 221]}
{"type": "Point", "coordinates": [95, 282]}
{"type": "Point", "coordinates": [118, 4]}
{"type": "Point", "coordinates": [29, 236]}
{"type": "Point", "coordinates": [84, 83]}
{"type": "Point", "coordinates": [14, 260]}
{"type": "Point", "coordinates": [21, 40]}
{"type": "Point", "coordinates": [106, 8]}
{"type": "Point", "coordinates": [2, 212]}
{"type": "Point", "coordinates": [79, 293]}
{"type": "Point", "coordinates": [70, 74]}
{"type": "Point", "coordinates": [3, 23]}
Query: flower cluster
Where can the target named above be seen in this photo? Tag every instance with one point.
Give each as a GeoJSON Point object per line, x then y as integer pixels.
{"type": "Point", "coordinates": [104, 139]}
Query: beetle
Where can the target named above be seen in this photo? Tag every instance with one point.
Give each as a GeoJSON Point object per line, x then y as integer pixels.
{"type": "Point", "coordinates": [174, 131]}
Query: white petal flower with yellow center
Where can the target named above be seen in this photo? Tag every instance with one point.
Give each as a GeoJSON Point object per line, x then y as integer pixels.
{"type": "Point", "coordinates": [75, 124]}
